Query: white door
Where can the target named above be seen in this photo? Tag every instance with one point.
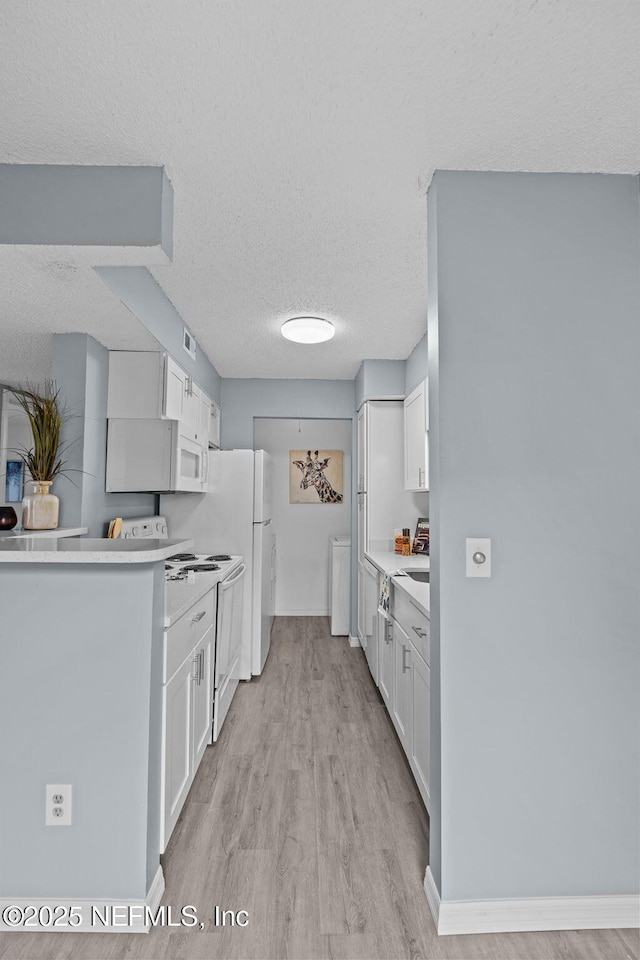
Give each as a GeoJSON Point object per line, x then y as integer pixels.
{"type": "Point", "coordinates": [385, 660]}
{"type": "Point", "coordinates": [401, 714]}
{"type": "Point", "coordinates": [202, 700]}
{"type": "Point", "coordinates": [262, 587]}
{"type": "Point", "coordinates": [176, 744]}
{"type": "Point", "coordinates": [415, 439]}
{"type": "Point", "coordinates": [191, 416]}
{"type": "Point", "coordinates": [262, 487]}
{"type": "Point", "coordinates": [371, 618]}
{"type": "Point", "coordinates": [228, 645]}
{"type": "Point", "coordinates": [362, 519]}
{"type": "Point", "coordinates": [362, 633]}
{"type": "Point", "coordinates": [420, 706]}
{"type": "Point", "coordinates": [174, 390]}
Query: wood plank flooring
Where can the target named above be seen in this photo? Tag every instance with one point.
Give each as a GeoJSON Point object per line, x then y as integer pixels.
{"type": "Point", "coordinates": [306, 815]}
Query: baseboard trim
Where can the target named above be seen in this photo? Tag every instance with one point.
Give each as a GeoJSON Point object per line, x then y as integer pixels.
{"type": "Point", "coordinates": [96, 916]}
{"type": "Point", "coordinates": [353, 641]}
{"type": "Point", "coordinates": [302, 613]}
{"type": "Point", "coordinates": [537, 913]}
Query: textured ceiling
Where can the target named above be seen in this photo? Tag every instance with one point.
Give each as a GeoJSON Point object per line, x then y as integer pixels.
{"type": "Point", "coordinates": [300, 137]}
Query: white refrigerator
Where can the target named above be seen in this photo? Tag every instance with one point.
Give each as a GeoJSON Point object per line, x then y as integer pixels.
{"type": "Point", "coordinates": [234, 517]}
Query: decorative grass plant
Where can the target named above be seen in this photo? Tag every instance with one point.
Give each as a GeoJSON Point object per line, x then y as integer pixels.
{"type": "Point", "coordinates": [46, 419]}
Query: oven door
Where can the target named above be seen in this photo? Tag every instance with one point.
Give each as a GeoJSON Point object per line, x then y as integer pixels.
{"type": "Point", "coordinates": [191, 465]}
{"type": "Point", "coordinates": [228, 640]}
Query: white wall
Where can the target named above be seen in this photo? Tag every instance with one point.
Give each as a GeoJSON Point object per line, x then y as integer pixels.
{"type": "Point", "coordinates": [303, 530]}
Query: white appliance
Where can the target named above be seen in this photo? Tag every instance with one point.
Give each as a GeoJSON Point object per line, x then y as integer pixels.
{"type": "Point", "coordinates": [229, 574]}
{"type": "Point", "coordinates": [188, 576]}
{"type": "Point", "coordinates": [339, 584]}
{"type": "Point", "coordinates": [234, 516]}
{"type": "Point", "coordinates": [153, 455]}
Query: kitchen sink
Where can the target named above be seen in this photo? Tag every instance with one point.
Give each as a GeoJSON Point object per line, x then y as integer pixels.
{"type": "Point", "coordinates": [421, 575]}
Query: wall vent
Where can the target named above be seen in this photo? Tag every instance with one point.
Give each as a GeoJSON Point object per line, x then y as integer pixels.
{"type": "Point", "coordinates": [189, 344]}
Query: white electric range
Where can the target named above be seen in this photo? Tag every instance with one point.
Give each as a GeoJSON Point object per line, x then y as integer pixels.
{"type": "Point", "coordinates": [188, 577]}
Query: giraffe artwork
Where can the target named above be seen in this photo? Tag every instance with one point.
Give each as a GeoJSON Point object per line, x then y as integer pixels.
{"type": "Point", "coordinates": [316, 476]}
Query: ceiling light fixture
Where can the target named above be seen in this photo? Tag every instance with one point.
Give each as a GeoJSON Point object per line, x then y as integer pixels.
{"type": "Point", "coordinates": [308, 329]}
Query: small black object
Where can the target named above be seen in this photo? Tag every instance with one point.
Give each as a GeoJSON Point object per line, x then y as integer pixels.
{"type": "Point", "coordinates": [220, 556]}
{"type": "Point", "coordinates": [200, 567]}
{"type": "Point", "coordinates": [183, 556]}
{"type": "Point", "coordinates": [8, 518]}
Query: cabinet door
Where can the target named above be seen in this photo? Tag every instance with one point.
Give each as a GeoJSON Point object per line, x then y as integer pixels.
{"type": "Point", "coordinates": [420, 723]}
{"type": "Point", "coordinates": [362, 448]}
{"type": "Point", "coordinates": [361, 615]}
{"type": "Point", "coordinates": [385, 660]}
{"type": "Point", "coordinates": [202, 425]}
{"type": "Point", "coordinates": [402, 709]}
{"type": "Point", "coordinates": [176, 745]}
{"type": "Point", "coordinates": [202, 698]}
{"type": "Point", "coordinates": [415, 439]}
{"type": "Point", "coordinates": [191, 415]}
{"type": "Point", "coordinates": [174, 390]}
{"type": "Point", "coordinates": [214, 425]}
{"type": "Point", "coordinates": [371, 595]}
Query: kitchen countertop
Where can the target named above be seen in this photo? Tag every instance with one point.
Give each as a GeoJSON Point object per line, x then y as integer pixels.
{"type": "Point", "coordinates": [63, 550]}
{"type": "Point", "coordinates": [180, 595]}
{"type": "Point", "coordinates": [50, 534]}
{"type": "Point", "coordinates": [389, 562]}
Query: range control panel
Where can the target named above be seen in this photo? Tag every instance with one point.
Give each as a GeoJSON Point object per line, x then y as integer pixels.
{"type": "Point", "coordinates": [144, 528]}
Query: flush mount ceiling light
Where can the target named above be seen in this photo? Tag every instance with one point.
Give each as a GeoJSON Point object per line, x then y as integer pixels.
{"type": "Point", "coordinates": [308, 329]}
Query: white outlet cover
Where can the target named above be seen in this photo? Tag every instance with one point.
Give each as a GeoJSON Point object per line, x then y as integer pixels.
{"type": "Point", "coordinates": [58, 790]}
{"type": "Point", "coordinates": [478, 545]}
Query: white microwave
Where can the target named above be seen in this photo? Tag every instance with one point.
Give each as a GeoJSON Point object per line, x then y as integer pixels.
{"type": "Point", "coordinates": [151, 456]}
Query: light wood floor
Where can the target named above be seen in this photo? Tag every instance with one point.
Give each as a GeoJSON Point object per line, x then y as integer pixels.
{"type": "Point", "coordinates": [305, 814]}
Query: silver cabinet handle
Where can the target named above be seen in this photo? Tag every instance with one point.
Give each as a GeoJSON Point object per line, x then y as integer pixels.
{"type": "Point", "coordinates": [387, 632]}
{"type": "Point", "coordinates": [198, 616]}
{"type": "Point", "coordinates": [405, 665]}
{"type": "Point", "coordinates": [421, 473]}
{"type": "Point", "coordinates": [419, 631]}
{"type": "Point", "coordinates": [195, 676]}
{"type": "Point", "coordinates": [201, 667]}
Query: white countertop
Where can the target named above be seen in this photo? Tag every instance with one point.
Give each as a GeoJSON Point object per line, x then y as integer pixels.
{"type": "Point", "coordinates": [50, 534]}
{"type": "Point", "coordinates": [63, 550]}
{"type": "Point", "coordinates": [389, 562]}
{"type": "Point", "coordinates": [180, 595]}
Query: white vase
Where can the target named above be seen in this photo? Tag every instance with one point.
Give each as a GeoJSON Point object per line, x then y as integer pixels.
{"type": "Point", "coordinates": [40, 508]}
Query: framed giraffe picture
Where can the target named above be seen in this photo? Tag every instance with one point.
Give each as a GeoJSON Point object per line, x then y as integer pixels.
{"type": "Point", "coordinates": [316, 476]}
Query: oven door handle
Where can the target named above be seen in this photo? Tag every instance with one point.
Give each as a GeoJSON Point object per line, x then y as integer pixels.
{"type": "Point", "coordinates": [225, 584]}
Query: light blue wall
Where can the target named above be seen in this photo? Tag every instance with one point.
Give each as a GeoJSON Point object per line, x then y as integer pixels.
{"type": "Point", "coordinates": [121, 205]}
{"type": "Point", "coordinates": [141, 294]}
{"type": "Point", "coordinates": [534, 347]}
{"type": "Point", "coordinates": [380, 380]}
{"type": "Point", "coordinates": [242, 400]}
{"type": "Point", "coordinates": [416, 365]}
{"type": "Point", "coordinates": [80, 368]}
{"type": "Point", "coordinates": [80, 703]}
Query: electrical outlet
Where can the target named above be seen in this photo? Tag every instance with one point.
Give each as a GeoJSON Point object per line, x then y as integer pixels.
{"type": "Point", "coordinates": [57, 811]}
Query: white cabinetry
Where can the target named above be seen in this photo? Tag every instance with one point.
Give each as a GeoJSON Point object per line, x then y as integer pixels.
{"type": "Point", "coordinates": [371, 594]}
{"type": "Point", "coordinates": [402, 712]}
{"type": "Point", "coordinates": [410, 683]}
{"type": "Point", "coordinates": [416, 447]}
{"type": "Point", "coordinates": [174, 389]}
{"type": "Point", "coordinates": [147, 385]}
{"type": "Point", "coordinates": [187, 698]}
{"type": "Point", "coordinates": [386, 672]}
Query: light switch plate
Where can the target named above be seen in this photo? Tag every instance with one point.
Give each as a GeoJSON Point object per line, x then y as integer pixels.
{"type": "Point", "coordinates": [478, 545]}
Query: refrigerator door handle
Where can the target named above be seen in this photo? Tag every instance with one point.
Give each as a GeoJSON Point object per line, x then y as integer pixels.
{"type": "Point", "coordinates": [262, 523]}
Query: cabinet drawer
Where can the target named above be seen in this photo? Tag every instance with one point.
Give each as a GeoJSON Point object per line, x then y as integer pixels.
{"type": "Point", "coordinates": [414, 623]}
{"type": "Point", "coordinates": [181, 638]}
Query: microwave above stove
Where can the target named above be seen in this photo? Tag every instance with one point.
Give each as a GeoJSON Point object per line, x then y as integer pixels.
{"type": "Point", "coordinates": [151, 456]}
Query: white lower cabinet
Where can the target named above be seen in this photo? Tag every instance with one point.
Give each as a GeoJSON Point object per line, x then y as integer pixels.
{"type": "Point", "coordinates": [402, 711]}
{"type": "Point", "coordinates": [187, 698]}
{"type": "Point", "coordinates": [405, 682]}
{"type": "Point", "coordinates": [420, 723]}
{"type": "Point", "coordinates": [385, 660]}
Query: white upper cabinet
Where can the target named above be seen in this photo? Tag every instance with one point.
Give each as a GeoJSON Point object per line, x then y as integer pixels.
{"type": "Point", "coordinates": [149, 385]}
{"type": "Point", "coordinates": [214, 425]}
{"type": "Point", "coordinates": [416, 433]}
{"type": "Point", "coordinates": [175, 388]}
